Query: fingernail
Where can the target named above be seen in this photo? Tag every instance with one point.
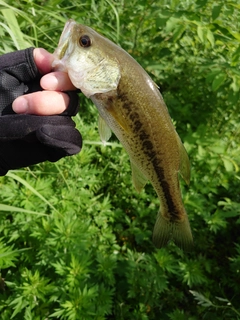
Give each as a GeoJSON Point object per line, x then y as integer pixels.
{"type": "Point", "coordinates": [20, 105]}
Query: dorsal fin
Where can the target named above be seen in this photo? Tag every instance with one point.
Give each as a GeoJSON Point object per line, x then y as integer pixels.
{"type": "Point", "coordinates": [184, 163]}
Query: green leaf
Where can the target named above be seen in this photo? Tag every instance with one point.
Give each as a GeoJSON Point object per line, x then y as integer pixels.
{"type": "Point", "coordinates": [236, 35]}
{"type": "Point", "coordinates": [224, 30]}
{"type": "Point", "coordinates": [177, 315]}
{"type": "Point", "coordinates": [18, 304]}
{"type": "Point", "coordinates": [216, 10]}
{"type": "Point", "coordinates": [212, 74]}
{"type": "Point", "coordinates": [7, 208]}
{"type": "Point", "coordinates": [202, 300]}
{"type": "Point", "coordinates": [12, 253]}
{"type": "Point", "coordinates": [58, 313]}
{"type": "Point", "coordinates": [174, 4]}
{"type": "Point", "coordinates": [161, 20]}
{"type": "Point", "coordinates": [222, 299]}
{"type": "Point", "coordinates": [178, 32]}
{"type": "Point", "coordinates": [210, 37]}
{"type": "Point", "coordinates": [28, 186]}
{"type": "Point", "coordinates": [171, 24]}
{"type": "Point", "coordinates": [200, 33]}
{"type": "Point", "coordinates": [236, 55]}
{"type": "Point", "coordinates": [217, 221]}
{"type": "Point", "coordinates": [218, 81]}
{"type": "Point", "coordinates": [193, 273]}
{"type": "Point", "coordinates": [228, 165]}
{"type": "Point", "coordinates": [233, 97]}
{"type": "Point", "coordinates": [201, 3]}
{"type": "Point", "coordinates": [234, 85]}
{"type": "Point", "coordinates": [14, 29]}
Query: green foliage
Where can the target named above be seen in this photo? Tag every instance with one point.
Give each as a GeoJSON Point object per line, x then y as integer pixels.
{"type": "Point", "coordinates": [75, 238]}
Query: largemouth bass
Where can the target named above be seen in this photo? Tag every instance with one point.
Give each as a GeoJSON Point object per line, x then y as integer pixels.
{"type": "Point", "coordinates": [130, 104]}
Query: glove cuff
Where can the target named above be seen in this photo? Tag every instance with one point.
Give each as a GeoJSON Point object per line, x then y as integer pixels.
{"type": "Point", "coordinates": [73, 106]}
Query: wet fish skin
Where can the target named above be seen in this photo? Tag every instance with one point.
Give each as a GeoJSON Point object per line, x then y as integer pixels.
{"type": "Point", "coordinates": [130, 104]}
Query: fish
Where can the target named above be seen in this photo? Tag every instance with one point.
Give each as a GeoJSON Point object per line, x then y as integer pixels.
{"type": "Point", "coordinates": [131, 106]}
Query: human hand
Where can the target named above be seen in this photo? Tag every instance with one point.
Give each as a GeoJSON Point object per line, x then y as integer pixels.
{"type": "Point", "coordinates": [51, 100]}
{"type": "Point", "coordinates": [27, 139]}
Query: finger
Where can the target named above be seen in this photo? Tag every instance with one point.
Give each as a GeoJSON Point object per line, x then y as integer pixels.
{"type": "Point", "coordinates": [41, 103]}
{"type": "Point", "coordinates": [57, 81]}
{"type": "Point", "coordinates": [43, 60]}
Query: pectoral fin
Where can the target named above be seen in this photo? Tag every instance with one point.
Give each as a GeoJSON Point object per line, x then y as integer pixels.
{"type": "Point", "coordinates": [118, 117]}
{"type": "Point", "coordinates": [104, 130]}
{"type": "Point", "coordinates": [139, 180]}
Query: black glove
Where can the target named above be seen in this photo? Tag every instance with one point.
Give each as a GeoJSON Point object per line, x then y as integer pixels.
{"type": "Point", "coordinates": [30, 139]}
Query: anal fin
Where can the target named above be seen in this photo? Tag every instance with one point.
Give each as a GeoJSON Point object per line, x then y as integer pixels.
{"type": "Point", "coordinates": [139, 180]}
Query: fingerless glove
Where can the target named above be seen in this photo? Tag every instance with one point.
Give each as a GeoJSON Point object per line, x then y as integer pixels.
{"type": "Point", "coordinates": [29, 139]}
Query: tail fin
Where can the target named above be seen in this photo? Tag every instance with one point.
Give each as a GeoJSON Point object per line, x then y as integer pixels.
{"type": "Point", "coordinates": [180, 232]}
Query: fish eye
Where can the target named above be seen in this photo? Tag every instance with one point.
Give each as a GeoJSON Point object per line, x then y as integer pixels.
{"type": "Point", "coordinates": [85, 41]}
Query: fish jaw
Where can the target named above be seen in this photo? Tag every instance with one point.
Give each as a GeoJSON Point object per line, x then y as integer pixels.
{"type": "Point", "coordinates": [60, 56]}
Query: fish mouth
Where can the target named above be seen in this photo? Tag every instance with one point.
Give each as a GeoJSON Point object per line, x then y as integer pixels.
{"type": "Point", "coordinates": [64, 39]}
{"type": "Point", "coordinates": [63, 45]}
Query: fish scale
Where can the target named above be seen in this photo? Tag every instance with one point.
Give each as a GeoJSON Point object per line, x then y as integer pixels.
{"type": "Point", "coordinates": [130, 104]}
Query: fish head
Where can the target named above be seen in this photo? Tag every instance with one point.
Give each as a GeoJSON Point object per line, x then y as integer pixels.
{"type": "Point", "coordinates": [89, 59]}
